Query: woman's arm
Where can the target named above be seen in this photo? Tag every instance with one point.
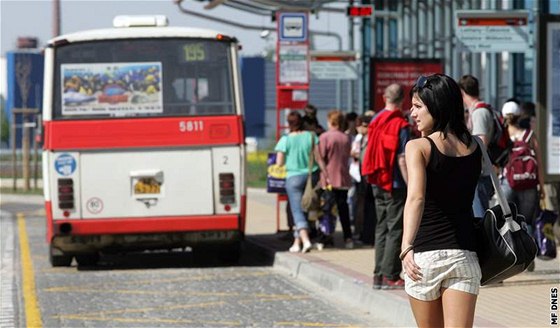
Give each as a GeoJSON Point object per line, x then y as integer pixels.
{"type": "Point", "coordinates": [535, 145]}
{"type": "Point", "coordinates": [401, 160]}
{"type": "Point", "coordinates": [321, 163]}
{"type": "Point", "coordinates": [280, 160]}
{"type": "Point", "coordinates": [414, 206]}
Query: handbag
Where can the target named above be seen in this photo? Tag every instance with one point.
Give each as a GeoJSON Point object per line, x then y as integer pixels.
{"type": "Point", "coordinates": [504, 246]}
{"type": "Point", "coordinates": [311, 199]}
{"type": "Point", "coordinates": [544, 234]}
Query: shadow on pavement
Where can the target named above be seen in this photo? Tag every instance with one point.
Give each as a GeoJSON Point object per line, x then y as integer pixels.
{"type": "Point", "coordinates": [251, 256]}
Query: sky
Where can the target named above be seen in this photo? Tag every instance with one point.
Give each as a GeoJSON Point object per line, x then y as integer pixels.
{"type": "Point", "coordinates": [34, 18]}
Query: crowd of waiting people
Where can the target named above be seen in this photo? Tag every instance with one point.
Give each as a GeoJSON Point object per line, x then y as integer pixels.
{"type": "Point", "coordinates": [368, 182]}
{"type": "Point", "coordinates": [409, 182]}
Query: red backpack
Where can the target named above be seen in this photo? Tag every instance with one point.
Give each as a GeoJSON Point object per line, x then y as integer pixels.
{"type": "Point", "coordinates": [521, 169]}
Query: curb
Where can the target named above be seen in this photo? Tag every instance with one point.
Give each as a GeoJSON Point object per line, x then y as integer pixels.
{"type": "Point", "coordinates": [355, 289]}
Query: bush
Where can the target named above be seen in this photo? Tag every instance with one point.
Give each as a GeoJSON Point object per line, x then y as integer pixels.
{"type": "Point", "coordinates": [4, 125]}
{"type": "Point", "coordinates": [256, 169]}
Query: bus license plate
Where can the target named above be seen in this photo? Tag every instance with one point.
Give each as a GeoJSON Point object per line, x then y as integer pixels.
{"type": "Point", "coordinates": [147, 186]}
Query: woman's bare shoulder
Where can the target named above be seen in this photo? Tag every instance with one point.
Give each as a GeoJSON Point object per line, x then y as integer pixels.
{"type": "Point", "coordinates": [418, 144]}
{"type": "Point", "coordinates": [418, 148]}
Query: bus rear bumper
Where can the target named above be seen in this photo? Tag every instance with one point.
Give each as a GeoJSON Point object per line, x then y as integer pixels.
{"type": "Point", "coordinates": [136, 242]}
{"type": "Point", "coordinates": [83, 236]}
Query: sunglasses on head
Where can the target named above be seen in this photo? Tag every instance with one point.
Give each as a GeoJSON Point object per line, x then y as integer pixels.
{"type": "Point", "coordinates": [422, 82]}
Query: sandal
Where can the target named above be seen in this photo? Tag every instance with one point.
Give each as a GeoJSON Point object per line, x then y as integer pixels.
{"type": "Point", "coordinates": [306, 247]}
{"type": "Point", "coordinates": [295, 249]}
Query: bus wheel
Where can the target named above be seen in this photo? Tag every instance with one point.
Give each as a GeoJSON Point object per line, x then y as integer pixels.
{"type": "Point", "coordinates": [63, 260]}
{"type": "Point", "coordinates": [88, 259]}
{"type": "Point", "coordinates": [231, 253]}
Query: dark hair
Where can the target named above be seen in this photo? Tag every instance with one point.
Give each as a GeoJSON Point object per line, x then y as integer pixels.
{"type": "Point", "coordinates": [512, 120]}
{"type": "Point", "coordinates": [294, 121]}
{"type": "Point", "coordinates": [310, 110]}
{"type": "Point", "coordinates": [442, 97]}
{"type": "Point", "coordinates": [351, 116]}
{"type": "Point", "coordinates": [469, 84]}
{"type": "Point", "coordinates": [365, 119]}
{"type": "Point", "coordinates": [528, 108]}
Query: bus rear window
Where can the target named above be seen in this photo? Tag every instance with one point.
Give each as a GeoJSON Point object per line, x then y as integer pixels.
{"type": "Point", "coordinates": [143, 78]}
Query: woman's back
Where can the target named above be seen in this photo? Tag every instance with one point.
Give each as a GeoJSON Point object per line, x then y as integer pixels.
{"type": "Point", "coordinates": [297, 147]}
{"type": "Point", "coordinates": [335, 148]}
{"type": "Point", "coordinates": [451, 178]}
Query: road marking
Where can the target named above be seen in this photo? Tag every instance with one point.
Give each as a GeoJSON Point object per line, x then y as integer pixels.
{"type": "Point", "coordinates": [104, 315]}
{"type": "Point", "coordinates": [151, 320]}
{"type": "Point", "coordinates": [161, 281]}
{"type": "Point", "coordinates": [7, 286]}
{"type": "Point", "coordinates": [32, 311]}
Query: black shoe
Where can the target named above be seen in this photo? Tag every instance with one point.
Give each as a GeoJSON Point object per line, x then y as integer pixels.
{"type": "Point", "coordinates": [377, 281]}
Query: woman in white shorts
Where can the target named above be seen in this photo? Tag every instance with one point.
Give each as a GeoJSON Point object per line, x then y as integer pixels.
{"type": "Point", "coordinates": [438, 248]}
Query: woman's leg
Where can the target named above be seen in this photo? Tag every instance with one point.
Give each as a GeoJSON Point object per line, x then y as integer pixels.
{"type": "Point", "coordinates": [458, 308]}
{"type": "Point", "coordinates": [294, 189]}
{"type": "Point", "coordinates": [340, 196]}
{"type": "Point", "coordinates": [427, 313]}
{"type": "Point", "coordinates": [528, 201]}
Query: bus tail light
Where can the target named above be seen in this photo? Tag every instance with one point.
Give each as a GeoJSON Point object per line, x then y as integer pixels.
{"type": "Point", "coordinates": [227, 188]}
{"type": "Point", "coordinates": [65, 194]}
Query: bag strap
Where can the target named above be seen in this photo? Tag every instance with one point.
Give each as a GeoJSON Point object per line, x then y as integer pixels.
{"type": "Point", "coordinates": [527, 136]}
{"type": "Point", "coordinates": [487, 166]}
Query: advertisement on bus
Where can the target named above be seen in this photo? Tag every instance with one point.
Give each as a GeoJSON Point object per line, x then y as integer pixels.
{"type": "Point", "coordinates": [116, 88]}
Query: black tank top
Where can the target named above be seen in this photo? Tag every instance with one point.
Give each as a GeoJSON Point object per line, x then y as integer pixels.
{"type": "Point", "coordinates": [447, 222]}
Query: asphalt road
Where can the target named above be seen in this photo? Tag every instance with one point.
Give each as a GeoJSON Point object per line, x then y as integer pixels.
{"type": "Point", "coordinates": [155, 289]}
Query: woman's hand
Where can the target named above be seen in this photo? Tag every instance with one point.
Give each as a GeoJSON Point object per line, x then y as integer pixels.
{"type": "Point", "coordinates": [411, 269]}
{"type": "Point", "coordinates": [542, 193]}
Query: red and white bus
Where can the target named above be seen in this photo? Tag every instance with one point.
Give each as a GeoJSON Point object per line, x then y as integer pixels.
{"type": "Point", "coordinates": [143, 141]}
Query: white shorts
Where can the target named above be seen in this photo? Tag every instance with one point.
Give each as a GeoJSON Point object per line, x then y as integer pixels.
{"type": "Point", "coordinates": [447, 268]}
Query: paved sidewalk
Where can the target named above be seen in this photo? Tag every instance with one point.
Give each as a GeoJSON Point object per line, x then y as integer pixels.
{"type": "Point", "coordinates": [522, 301]}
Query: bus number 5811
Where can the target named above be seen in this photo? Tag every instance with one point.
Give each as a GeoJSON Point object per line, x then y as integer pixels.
{"type": "Point", "coordinates": [191, 126]}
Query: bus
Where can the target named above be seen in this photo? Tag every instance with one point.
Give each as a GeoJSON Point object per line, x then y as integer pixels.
{"type": "Point", "coordinates": [143, 141]}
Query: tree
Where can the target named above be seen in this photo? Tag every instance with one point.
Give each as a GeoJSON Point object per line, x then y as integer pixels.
{"type": "Point", "coordinates": [4, 124]}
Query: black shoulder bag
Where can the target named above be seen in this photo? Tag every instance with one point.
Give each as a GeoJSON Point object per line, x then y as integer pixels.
{"type": "Point", "coordinates": [504, 247]}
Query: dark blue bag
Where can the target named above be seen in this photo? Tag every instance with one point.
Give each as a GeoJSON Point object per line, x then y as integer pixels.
{"type": "Point", "coordinates": [327, 224]}
{"type": "Point", "coordinates": [544, 235]}
{"type": "Point", "coordinates": [276, 176]}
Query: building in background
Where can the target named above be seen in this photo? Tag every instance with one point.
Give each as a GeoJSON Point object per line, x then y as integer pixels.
{"type": "Point", "coordinates": [23, 81]}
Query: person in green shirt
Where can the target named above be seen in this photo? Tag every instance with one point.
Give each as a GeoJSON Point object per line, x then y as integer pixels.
{"type": "Point", "coordinates": [293, 151]}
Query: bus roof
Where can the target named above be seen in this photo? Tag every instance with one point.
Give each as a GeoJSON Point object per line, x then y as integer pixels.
{"type": "Point", "coordinates": [137, 32]}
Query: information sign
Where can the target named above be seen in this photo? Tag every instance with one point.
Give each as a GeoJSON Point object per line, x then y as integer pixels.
{"type": "Point", "coordinates": [292, 27]}
{"type": "Point", "coordinates": [492, 31]}
{"type": "Point", "coordinates": [338, 65]}
{"type": "Point", "coordinates": [293, 63]}
{"type": "Point", "coordinates": [552, 152]}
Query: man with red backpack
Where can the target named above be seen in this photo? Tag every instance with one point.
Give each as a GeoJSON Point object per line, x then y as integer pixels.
{"type": "Point", "coordinates": [384, 167]}
{"type": "Point", "coordinates": [480, 123]}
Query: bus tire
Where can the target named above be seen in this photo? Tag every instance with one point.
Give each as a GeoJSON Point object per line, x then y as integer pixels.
{"type": "Point", "coordinates": [231, 253]}
{"type": "Point", "coordinates": [87, 259]}
{"type": "Point", "coordinates": [63, 260]}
